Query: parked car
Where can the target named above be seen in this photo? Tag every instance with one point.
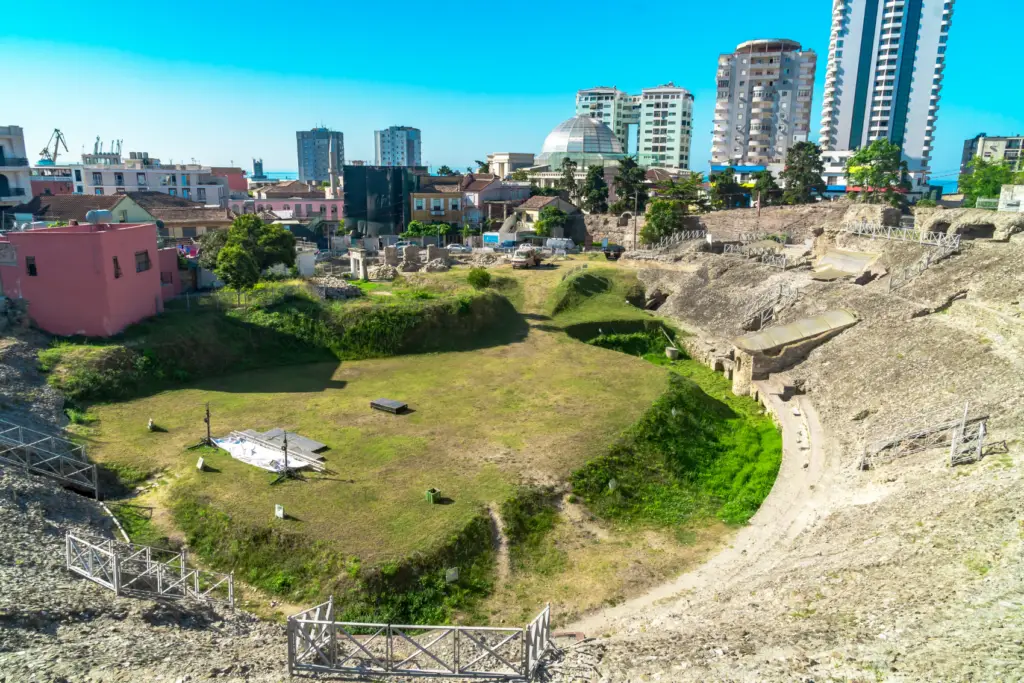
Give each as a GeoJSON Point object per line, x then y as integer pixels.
{"type": "Point", "coordinates": [526, 257]}
{"type": "Point", "coordinates": [459, 249]}
{"type": "Point", "coordinates": [613, 251]}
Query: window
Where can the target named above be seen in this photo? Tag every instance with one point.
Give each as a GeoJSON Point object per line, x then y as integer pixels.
{"type": "Point", "coordinates": [201, 194]}
{"type": "Point", "coordinates": [117, 269]}
{"type": "Point", "coordinates": [30, 265]}
{"type": "Point", "coordinates": [140, 178]}
{"type": "Point", "coordinates": [418, 205]}
{"type": "Point", "coordinates": [119, 178]}
{"type": "Point", "coordinates": [309, 209]}
{"type": "Point", "coordinates": [185, 192]}
{"type": "Point", "coordinates": [97, 178]}
{"type": "Point", "coordinates": [98, 190]}
{"type": "Point", "coordinates": [323, 209]}
{"type": "Point", "coordinates": [78, 175]}
{"type": "Point", "coordinates": [435, 205]}
{"type": "Point", "coordinates": [142, 261]}
{"type": "Point", "coordinates": [184, 178]}
{"type": "Point", "coordinates": [334, 209]}
{"type": "Point", "coordinates": [188, 232]}
{"type": "Point", "coordinates": [287, 207]}
{"type": "Point", "coordinates": [454, 204]}
{"type": "Point", "coordinates": [172, 192]}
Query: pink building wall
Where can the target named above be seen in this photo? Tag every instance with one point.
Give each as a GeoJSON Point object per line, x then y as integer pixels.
{"type": "Point", "coordinates": [168, 259]}
{"type": "Point", "coordinates": [236, 181]}
{"type": "Point", "coordinates": [75, 290]}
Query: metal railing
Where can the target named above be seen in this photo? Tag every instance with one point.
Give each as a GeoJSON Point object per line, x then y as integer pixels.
{"type": "Point", "coordinates": [49, 455]}
{"type": "Point", "coordinates": [885, 232]}
{"type": "Point", "coordinates": [933, 429]}
{"type": "Point", "coordinates": [17, 161]}
{"type": "Point", "coordinates": [765, 255]}
{"type": "Point", "coordinates": [139, 570]}
{"type": "Point", "coordinates": [318, 643]}
{"type": "Point", "coordinates": [903, 276]}
{"type": "Point", "coordinates": [762, 310]}
{"type": "Point", "coordinates": [675, 238]}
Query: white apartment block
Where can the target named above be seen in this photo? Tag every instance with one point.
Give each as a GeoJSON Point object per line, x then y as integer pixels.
{"type": "Point", "coordinates": [15, 183]}
{"type": "Point", "coordinates": [764, 102]}
{"type": "Point", "coordinates": [141, 174]}
{"type": "Point", "coordinates": [663, 117]}
{"type": "Point", "coordinates": [614, 108]}
{"type": "Point", "coordinates": [885, 64]}
{"type": "Point", "coordinates": [666, 126]}
{"type": "Point", "coordinates": [397, 146]}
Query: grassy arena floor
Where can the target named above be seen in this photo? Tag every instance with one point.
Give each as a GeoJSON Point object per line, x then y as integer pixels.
{"type": "Point", "coordinates": [484, 421]}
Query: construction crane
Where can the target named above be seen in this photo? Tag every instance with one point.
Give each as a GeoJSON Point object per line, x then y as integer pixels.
{"type": "Point", "coordinates": [57, 139]}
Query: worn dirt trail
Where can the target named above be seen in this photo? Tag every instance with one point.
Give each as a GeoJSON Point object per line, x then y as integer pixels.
{"type": "Point", "coordinates": [795, 502]}
{"type": "Point", "coordinates": [501, 558]}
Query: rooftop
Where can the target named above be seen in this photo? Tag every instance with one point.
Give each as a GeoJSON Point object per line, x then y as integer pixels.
{"type": "Point", "coordinates": [67, 207]}
{"type": "Point", "coordinates": [774, 338]}
{"type": "Point", "coordinates": [537, 202]}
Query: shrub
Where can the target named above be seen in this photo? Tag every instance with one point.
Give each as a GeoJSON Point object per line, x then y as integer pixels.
{"type": "Point", "coordinates": [479, 278]}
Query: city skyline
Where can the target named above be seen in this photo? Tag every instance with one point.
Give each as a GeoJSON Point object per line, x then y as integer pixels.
{"type": "Point", "coordinates": [238, 105]}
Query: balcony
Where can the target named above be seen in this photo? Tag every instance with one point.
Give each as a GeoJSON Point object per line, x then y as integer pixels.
{"type": "Point", "coordinates": [12, 192]}
{"type": "Point", "coordinates": [437, 212]}
{"type": "Point", "coordinates": [13, 162]}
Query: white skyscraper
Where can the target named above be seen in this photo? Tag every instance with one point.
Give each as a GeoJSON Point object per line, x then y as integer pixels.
{"type": "Point", "coordinates": [666, 120]}
{"type": "Point", "coordinates": [764, 102]}
{"type": "Point", "coordinates": [397, 146]}
{"type": "Point", "coordinates": [663, 117]}
{"type": "Point", "coordinates": [885, 65]}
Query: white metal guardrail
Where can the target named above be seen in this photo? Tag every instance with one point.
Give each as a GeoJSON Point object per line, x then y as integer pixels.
{"type": "Point", "coordinates": [885, 232]}
{"type": "Point", "coordinates": [49, 455]}
{"type": "Point", "coordinates": [130, 569]}
{"type": "Point", "coordinates": [318, 643]}
{"type": "Point", "coordinates": [675, 238]}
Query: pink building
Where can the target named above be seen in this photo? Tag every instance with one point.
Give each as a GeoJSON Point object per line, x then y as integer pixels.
{"type": "Point", "coordinates": [92, 280]}
{"type": "Point", "coordinates": [237, 181]}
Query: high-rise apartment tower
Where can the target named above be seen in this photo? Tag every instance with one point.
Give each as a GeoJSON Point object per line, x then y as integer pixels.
{"type": "Point", "coordinates": [314, 149]}
{"type": "Point", "coordinates": [397, 146]}
{"type": "Point", "coordinates": [885, 64]}
{"type": "Point", "coordinates": [764, 102]}
{"type": "Point", "coordinates": [663, 117]}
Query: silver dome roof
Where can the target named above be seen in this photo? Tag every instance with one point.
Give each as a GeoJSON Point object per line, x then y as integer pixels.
{"type": "Point", "coordinates": [581, 136]}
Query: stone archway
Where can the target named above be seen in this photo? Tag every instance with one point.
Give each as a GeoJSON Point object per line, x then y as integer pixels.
{"type": "Point", "coordinates": [940, 226]}
{"type": "Point", "coordinates": [978, 231]}
{"type": "Point", "coordinates": [624, 219]}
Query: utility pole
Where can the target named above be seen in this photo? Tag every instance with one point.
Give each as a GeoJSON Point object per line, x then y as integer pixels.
{"type": "Point", "coordinates": [636, 204]}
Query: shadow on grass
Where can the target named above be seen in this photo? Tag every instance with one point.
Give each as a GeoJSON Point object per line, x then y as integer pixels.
{"type": "Point", "coordinates": [586, 331]}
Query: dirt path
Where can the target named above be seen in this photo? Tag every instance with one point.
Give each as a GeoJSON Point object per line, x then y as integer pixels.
{"type": "Point", "coordinates": [795, 503]}
{"type": "Point", "coordinates": [500, 543]}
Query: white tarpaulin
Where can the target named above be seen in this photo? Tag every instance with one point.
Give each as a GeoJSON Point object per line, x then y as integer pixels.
{"type": "Point", "coordinates": [257, 454]}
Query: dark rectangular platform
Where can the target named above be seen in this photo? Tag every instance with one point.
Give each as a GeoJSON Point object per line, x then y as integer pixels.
{"type": "Point", "coordinates": [389, 406]}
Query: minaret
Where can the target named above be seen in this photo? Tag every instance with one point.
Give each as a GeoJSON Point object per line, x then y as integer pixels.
{"type": "Point", "coordinates": [331, 170]}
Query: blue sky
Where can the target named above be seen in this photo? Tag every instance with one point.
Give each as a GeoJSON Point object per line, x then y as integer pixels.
{"type": "Point", "coordinates": [224, 82]}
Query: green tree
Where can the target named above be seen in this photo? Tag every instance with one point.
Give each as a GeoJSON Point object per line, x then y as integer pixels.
{"type": "Point", "coordinates": [726, 193]}
{"type": "Point", "coordinates": [880, 172]}
{"type": "Point", "coordinates": [689, 191]}
{"type": "Point", "coordinates": [536, 191]}
{"type": "Point", "coordinates": [482, 166]}
{"type": "Point", "coordinates": [210, 244]}
{"type": "Point", "coordinates": [595, 191]}
{"type": "Point", "coordinates": [520, 175]}
{"type": "Point", "coordinates": [802, 174]}
{"type": "Point", "coordinates": [550, 218]}
{"type": "Point", "coordinates": [664, 217]}
{"type": "Point", "coordinates": [985, 179]}
{"type": "Point", "coordinates": [237, 268]}
{"type": "Point", "coordinates": [629, 187]}
{"type": "Point", "coordinates": [926, 203]}
{"type": "Point", "coordinates": [445, 170]}
{"type": "Point", "coordinates": [268, 244]}
{"type": "Point", "coordinates": [766, 189]}
{"type": "Point", "coordinates": [568, 182]}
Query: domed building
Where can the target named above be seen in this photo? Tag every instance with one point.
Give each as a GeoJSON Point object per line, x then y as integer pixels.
{"type": "Point", "coordinates": [587, 141]}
